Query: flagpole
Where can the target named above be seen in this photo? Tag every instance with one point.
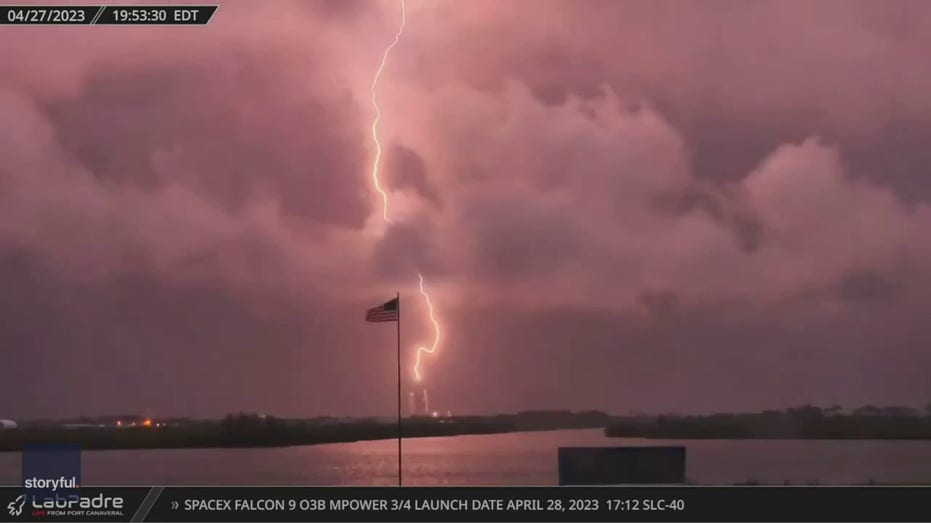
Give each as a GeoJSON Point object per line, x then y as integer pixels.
{"type": "Point", "coordinates": [399, 388]}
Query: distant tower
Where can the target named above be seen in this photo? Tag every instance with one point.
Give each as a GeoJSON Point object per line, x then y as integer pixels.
{"type": "Point", "coordinates": [426, 403]}
{"type": "Point", "coordinates": [412, 402]}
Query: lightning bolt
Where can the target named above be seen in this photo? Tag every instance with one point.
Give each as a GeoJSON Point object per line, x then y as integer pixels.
{"type": "Point", "coordinates": [376, 163]}
{"type": "Point", "coordinates": [381, 67]}
{"type": "Point", "coordinates": [436, 331]}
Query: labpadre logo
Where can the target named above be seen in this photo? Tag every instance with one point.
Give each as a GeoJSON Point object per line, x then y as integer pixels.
{"type": "Point", "coordinates": [15, 507]}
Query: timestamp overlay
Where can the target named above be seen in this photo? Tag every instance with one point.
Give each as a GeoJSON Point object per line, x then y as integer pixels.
{"type": "Point", "coordinates": [106, 14]}
{"type": "Point", "coordinates": [505, 504]}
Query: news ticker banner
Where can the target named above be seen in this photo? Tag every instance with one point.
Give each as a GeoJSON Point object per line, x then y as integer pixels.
{"type": "Point", "coordinates": [633, 503]}
{"type": "Point", "coordinates": [106, 14]}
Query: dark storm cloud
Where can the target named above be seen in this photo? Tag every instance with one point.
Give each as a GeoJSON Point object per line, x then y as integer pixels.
{"type": "Point", "coordinates": [233, 134]}
{"type": "Point", "coordinates": [636, 209]}
{"type": "Point", "coordinates": [339, 9]}
{"type": "Point", "coordinates": [725, 208]}
{"type": "Point", "coordinates": [659, 303]}
{"type": "Point", "coordinates": [866, 286]}
{"type": "Point", "coordinates": [898, 155]}
{"type": "Point", "coordinates": [766, 214]}
{"type": "Point", "coordinates": [737, 79]}
{"type": "Point", "coordinates": [513, 240]}
{"type": "Point", "coordinates": [165, 213]}
{"type": "Point", "coordinates": [405, 169]}
{"type": "Point", "coordinates": [724, 359]}
{"type": "Point", "coordinates": [406, 250]}
{"type": "Point", "coordinates": [137, 344]}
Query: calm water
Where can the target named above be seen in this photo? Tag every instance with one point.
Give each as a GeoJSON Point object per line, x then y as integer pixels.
{"type": "Point", "coordinates": [502, 459]}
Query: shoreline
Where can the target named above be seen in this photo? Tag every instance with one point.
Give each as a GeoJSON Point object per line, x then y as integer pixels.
{"type": "Point", "coordinates": [258, 431]}
{"type": "Point", "coordinates": [251, 433]}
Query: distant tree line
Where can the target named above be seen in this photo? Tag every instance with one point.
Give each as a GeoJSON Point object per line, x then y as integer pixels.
{"type": "Point", "coordinates": [804, 422]}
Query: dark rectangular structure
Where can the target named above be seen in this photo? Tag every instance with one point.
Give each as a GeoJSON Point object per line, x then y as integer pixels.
{"type": "Point", "coordinates": [621, 465]}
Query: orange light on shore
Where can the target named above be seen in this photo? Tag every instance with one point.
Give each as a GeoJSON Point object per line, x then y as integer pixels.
{"type": "Point", "coordinates": [147, 423]}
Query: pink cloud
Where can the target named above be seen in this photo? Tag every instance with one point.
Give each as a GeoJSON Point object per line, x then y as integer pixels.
{"type": "Point", "coordinates": [618, 178]}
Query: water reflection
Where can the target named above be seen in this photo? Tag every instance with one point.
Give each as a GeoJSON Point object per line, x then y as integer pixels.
{"type": "Point", "coordinates": [499, 459]}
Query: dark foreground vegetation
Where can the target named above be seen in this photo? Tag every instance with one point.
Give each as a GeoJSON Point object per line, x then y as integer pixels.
{"type": "Point", "coordinates": [798, 423]}
{"type": "Point", "coordinates": [250, 430]}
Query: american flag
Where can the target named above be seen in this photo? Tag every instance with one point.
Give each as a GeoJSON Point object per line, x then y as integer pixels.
{"type": "Point", "coordinates": [386, 312]}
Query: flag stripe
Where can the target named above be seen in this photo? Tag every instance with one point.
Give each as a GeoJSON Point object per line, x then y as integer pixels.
{"type": "Point", "coordinates": [385, 312]}
{"type": "Point", "coordinates": [381, 317]}
{"type": "Point", "coordinates": [385, 318]}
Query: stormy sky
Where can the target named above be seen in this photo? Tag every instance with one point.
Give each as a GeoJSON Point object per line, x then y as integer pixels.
{"type": "Point", "coordinates": [661, 206]}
